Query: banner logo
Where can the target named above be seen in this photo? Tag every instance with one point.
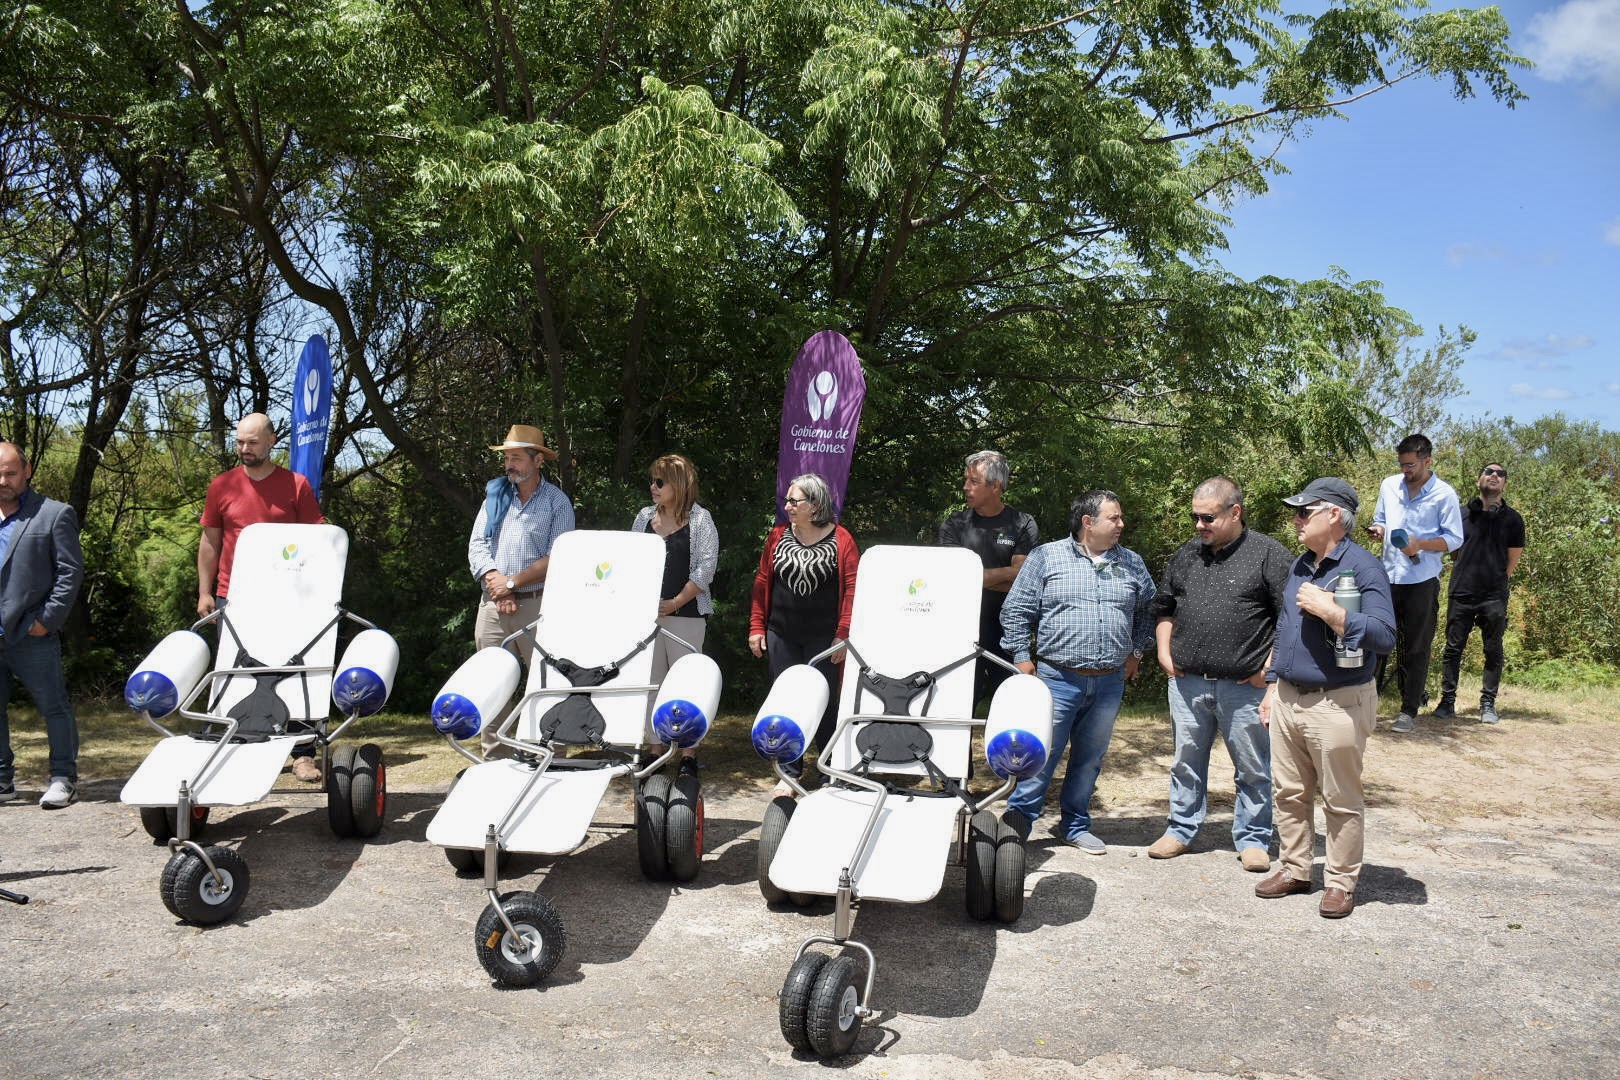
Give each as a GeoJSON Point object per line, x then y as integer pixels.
{"type": "Point", "coordinates": [823, 395]}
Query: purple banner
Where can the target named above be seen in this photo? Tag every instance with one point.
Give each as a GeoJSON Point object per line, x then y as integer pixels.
{"type": "Point", "coordinates": [821, 411]}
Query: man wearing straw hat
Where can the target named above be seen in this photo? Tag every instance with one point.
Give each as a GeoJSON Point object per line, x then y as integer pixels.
{"type": "Point", "coordinates": [510, 548]}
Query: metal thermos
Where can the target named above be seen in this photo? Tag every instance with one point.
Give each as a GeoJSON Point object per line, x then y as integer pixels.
{"type": "Point", "coordinates": [1347, 596]}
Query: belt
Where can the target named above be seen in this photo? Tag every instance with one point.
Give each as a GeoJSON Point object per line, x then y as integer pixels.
{"type": "Point", "coordinates": [1089, 673]}
{"type": "Point", "coordinates": [523, 594]}
{"type": "Point", "coordinates": [1306, 689]}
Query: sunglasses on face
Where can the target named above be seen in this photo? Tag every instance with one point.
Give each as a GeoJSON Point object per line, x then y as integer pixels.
{"type": "Point", "coordinates": [658, 483]}
{"type": "Point", "coordinates": [1203, 519]}
{"type": "Point", "coordinates": [791, 501]}
{"type": "Point", "coordinates": [1303, 512]}
{"type": "Point", "coordinates": [1494, 472]}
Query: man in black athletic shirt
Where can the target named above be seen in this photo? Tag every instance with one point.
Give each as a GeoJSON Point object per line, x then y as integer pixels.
{"type": "Point", "coordinates": [1001, 537]}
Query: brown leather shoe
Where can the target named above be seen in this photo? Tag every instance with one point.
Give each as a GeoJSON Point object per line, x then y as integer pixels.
{"type": "Point", "coordinates": [305, 769]}
{"type": "Point", "coordinates": [1166, 847]}
{"type": "Point", "coordinates": [1336, 903]}
{"type": "Point", "coordinates": [1282, 883]}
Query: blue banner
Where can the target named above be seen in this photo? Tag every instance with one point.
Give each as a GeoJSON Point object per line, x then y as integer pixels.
{"type": "Point", "coordinates": [311, 412]}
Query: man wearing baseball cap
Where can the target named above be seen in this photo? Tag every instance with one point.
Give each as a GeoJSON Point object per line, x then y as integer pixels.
{"type": "Point", "coordinates": [1320, 712]}
{"type": "Point", "coordinates": [510, 548]}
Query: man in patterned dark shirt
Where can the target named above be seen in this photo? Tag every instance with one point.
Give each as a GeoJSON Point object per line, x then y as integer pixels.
{"type": "Point", "coordinates": [1216, 613]}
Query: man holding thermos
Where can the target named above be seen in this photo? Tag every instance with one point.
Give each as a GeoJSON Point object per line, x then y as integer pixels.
{"type": "Point", "coordinates": [1321, 703]}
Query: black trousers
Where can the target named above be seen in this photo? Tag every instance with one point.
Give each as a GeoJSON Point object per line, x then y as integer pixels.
{"type": "Point", "coordinates": [1463, 613]}
{"type": "Point", "coordinates": [1417, 610]}
{"type": "Point", "coordinates": [782, 653]}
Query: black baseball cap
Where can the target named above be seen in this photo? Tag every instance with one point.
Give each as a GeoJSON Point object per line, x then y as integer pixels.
{"type": "Point", "coordinates": [1327, 489]}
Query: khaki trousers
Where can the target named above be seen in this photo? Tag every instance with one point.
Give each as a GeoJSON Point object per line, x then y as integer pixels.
{"type": "Point", "coordinates": [490, 627]}
{"type": "Point", "coordinates": [1317, 740]}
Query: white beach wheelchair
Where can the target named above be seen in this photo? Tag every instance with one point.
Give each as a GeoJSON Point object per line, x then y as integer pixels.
{"type": "Point", "coordinates": [589, 687]}
{"type": "Point", "coordinates": [905, 714]}
{"type": "Point", "coordinates": [266, 693]}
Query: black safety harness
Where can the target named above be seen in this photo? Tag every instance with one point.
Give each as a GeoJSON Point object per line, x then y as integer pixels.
{"type": "Point", "coordinates": [575, 719]}
{"type": "Point", "coordinates": [262, 713]}
{"type": "Point", "coordinates": [892, 742]}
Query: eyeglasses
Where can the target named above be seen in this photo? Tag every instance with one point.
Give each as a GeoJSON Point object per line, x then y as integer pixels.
{"type": "Point", "coordinates": [1203, 519]}
{"type": "Point", "coordinates": [658, 483]}
{"type": "Point", "coordinates": [1301, 513]}
{"type": "Point", "coordinates": [791, 501]}
{"type": "Point", "coordinates": [1494, 472]}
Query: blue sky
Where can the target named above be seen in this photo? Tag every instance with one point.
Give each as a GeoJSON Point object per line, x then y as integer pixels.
{"type": "Point", "coordinates": [1503, 220]}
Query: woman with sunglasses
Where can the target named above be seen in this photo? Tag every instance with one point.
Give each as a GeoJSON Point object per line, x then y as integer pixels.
{"type": "Point", "coordinates": [804, 590]}
{"type": "Point", "coordinates": [691, 551]}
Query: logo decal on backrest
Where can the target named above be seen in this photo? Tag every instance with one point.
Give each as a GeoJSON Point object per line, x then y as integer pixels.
{"type": "Point", "coordinates": [918, 602]}
{"type": "Point", "coordinates": [604, 570]}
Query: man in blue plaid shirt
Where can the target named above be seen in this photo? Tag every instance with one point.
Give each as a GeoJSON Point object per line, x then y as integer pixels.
{"type": "Point", "coordinates": [1084, 602]}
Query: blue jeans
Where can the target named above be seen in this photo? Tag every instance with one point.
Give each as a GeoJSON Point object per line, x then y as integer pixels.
{"type": "Point", "coordinates": [1198, 708]}
{"type": "Point", "coordinates": [37, 664]}
{"type": "Point", "coordinates": [1083, 712]}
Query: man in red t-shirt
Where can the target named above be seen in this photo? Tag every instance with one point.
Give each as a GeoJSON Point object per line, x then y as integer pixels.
{"type": "Point", "coordinates": [258, 490]}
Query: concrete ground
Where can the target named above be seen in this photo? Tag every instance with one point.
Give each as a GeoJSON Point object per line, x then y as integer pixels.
{"type": "Point", "coordinates": [1479, 949]}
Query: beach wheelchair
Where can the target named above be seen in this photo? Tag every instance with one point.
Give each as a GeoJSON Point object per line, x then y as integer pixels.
{"type": "Point", "coordinates": [589, 694]}
{"type": "Point", "coordinates": [896, 808]}
{"type": "Point", "coordinates": [264, 693]}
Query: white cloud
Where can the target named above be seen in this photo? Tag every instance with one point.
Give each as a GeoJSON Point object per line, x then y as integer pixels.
{"type": "Point", "coordinates": [1578, 41]}
{"type": "Point", "coordinates": [1540, 393]}
{"type": "Point", "coordinates": [1544, 348]}
{"type": "Point", "coordinates": [1611, 232]}
{"type": "Point", "coordinates": [1613, 388]}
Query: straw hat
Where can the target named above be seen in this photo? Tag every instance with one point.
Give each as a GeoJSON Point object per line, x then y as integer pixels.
{"type": "Point", "coordinates": [524, 437]}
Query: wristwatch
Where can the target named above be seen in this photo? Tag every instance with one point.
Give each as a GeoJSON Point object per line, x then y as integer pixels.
{"type": "Point", "coordinates": [511, 585]}
{"type": "Point", "coordinates": [1137, 653]}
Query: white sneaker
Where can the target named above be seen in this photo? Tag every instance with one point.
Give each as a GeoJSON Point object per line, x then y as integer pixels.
{"type": "Point", "coordinates": [58, 795]}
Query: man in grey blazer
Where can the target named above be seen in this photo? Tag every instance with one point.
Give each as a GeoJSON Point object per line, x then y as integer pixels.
{"type": "Point", "coordinates": [41, 569]}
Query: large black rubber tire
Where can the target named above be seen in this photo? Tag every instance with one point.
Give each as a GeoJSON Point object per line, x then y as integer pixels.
{"type": "Point", "coordinates": [190, 892]}
{"type": "Point", "coordinates": [794, 1006]}
{"type": "Point", "coordinates": [771, 831]}
{"type": "Point", "coordinates": [471, 860]}
{"type": "Point", "coordinates": [651, 835]}
{"type": "Point", "coordinates": [340, 791]}
{"type": "Point", "coordinates": [980, 893]}
{"type": "Point", "coordinates": [1009, 874]}
{"type": "Point", "coordinates": [834, 1025]}
{"type": "Point", "coordinates": [368, 791]}
{"type": "Point", "coordinates": [161, 822]}
{"type": "Point", "coordinates": [525, 962]}
{"type": "Point", "coordinates": [683, 828]}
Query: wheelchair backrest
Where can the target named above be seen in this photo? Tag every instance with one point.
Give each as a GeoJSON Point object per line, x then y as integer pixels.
{"type": "Point", "coordinates": [916, 610]}
{"type": "Point", "coordinates": [286, 585]}
{"type": "Point", "coordinates": [601, 599]}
